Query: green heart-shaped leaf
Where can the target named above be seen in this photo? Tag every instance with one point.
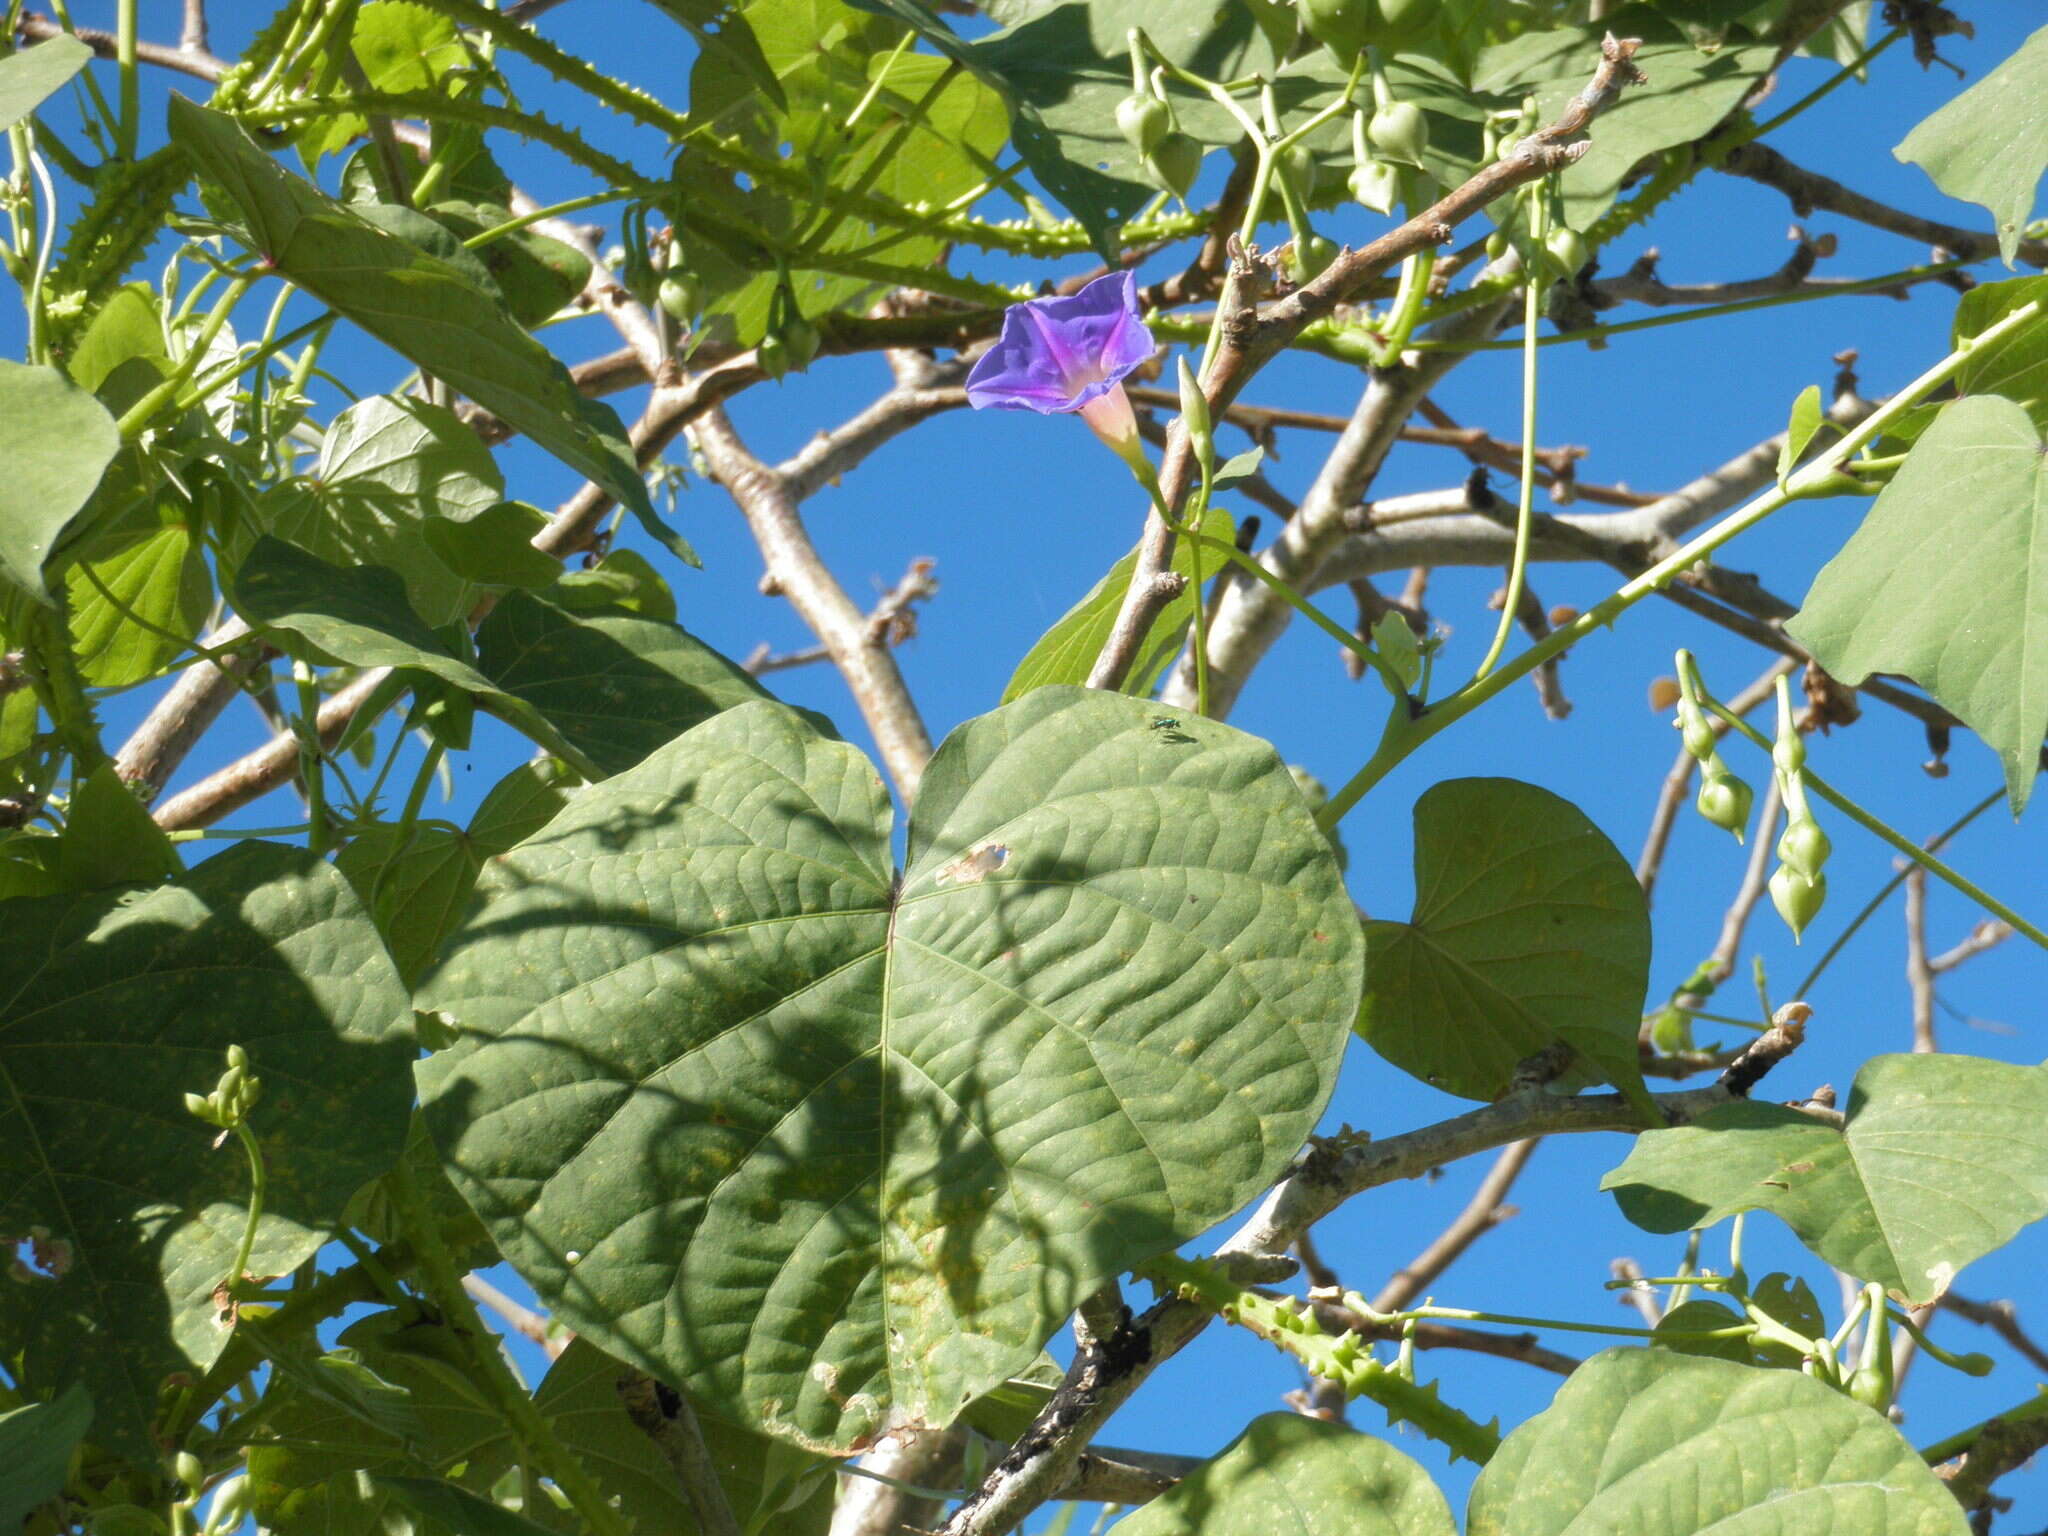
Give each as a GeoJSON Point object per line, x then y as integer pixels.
{"type": "Point", "coordinates": [1529, 928]}
{"type": "Point", "coordinates": [1658, 1443]}
{"type": "Point", "coordinates": [1946, 582]}
{"type": "Point", "coordinates": [823, 1146]}
{"type": "Point", "coordinates": [1942, 1160]}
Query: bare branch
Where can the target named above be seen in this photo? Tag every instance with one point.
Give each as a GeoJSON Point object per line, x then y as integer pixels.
{"type": "Point", "coordinates": [256, 774]}
{"type": "Point", "coordinates": [1636, 1294]}
{"type": "Point", "coordinates": [1988, 934]}
{"type": "Point", "coordinates": [190, 61]}
{"type": "Point", "coordinates": [524, 1321]}
{"type": "Point", "coordinates": [831, 454]}
{"type": "Point", "coordinates": [192, 35]}
{"type": "Point", "coordinates": [797, 571]}
{"type": "Point", "coordinates": [186, 712]}
{"type": "Point", "coordinates": [922, 1458]}
{"type": "Point", "coordinates": [2003, 1319]}
{"type": "Point", "coordinates": [1919, 974]}
{"type": "Point", "coordinates": [1807, 191]}
{"type": "Point", "coordinates": [664, 1416]}
{"type": "Point", "coordinates": [1103, 1378]}
{"type": "Point", "coordinates": [1755, 876]}
{"type": "Point", "coordinates": [1252, 616]}
{"type": "Point", "coordinates": [1486, 1210]}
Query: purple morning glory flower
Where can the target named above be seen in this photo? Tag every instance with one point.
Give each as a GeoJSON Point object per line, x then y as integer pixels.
{"type": "Point", "coordinates": [1069, 354]}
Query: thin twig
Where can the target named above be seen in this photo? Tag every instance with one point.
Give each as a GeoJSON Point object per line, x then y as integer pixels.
{"type": "Point", "coordinates": [2003, 1319]}
{"type": "Point", "coordinates": [190, 61]}
{"type": "Point", "coordinates": [1919, 975]}
{"type": "Point", "coordinates": [1486, 1210]}
{"type": "Point", "coordinates": [1755, 876]}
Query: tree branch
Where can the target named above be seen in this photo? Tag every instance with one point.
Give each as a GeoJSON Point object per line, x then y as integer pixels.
{"type": "Point", "coordinates": [1808, 190]}
{"type": "Point", "coordinates": [796, 570]}
{"type": "Point", "coordinates": [665, 1417]}
{"type": "Point", "coordinates": [1248, 340]}
{"type": "Point", "coordinates": [1486, 1210]}
{"type": "Point", "coordinates": [1105, 1374]}
{"type": "Point", "coordinates": [186, 59]}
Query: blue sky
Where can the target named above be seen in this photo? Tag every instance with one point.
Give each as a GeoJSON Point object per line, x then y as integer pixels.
{"type": "Point", "coordinates": [1022, 513]}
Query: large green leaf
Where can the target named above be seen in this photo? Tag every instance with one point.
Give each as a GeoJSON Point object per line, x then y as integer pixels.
{"type": "Point", "coordinates": [1687, 92]}
{"type": "Point", "coordinates": [1943, 1160]}
{"type": "Point", "coordinates": [56, 441]}
{"type": "Point", "coordinates": [32, 76]}
{"type": "Point", "coordinates": [36, 1442]}
{"type": "Point", "coordinates": [358, 615]}
{"type": "Point", "coordinates": [115, 1004]}
{"type": "Point", "coordinates": [1066, 653]}
{"type": "Point", "coordinates": [1990, 145]}
{"type": "Point", "coordinates": [719, 1069]}
{"type": "Point", "coordinates": [1529, 928]}
{"type": "Point", "coordinates": [613, 683]}
{"type": "Point", "coordinates": [390, 470]}
{"type": "Point", "coordinates": [1657, 1443]}
{"type": "Point", "coordinates": [1291, 1475]}
{"type": "Point", "coordinates": [420, 307]}
{"type": "Point", "coordinates": [580, 1397]}
{"type": "Point", "coordinates": [1946, 582]}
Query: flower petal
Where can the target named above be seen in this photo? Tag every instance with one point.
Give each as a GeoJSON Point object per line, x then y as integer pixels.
{"type": "Point", "coordinates": [1058, 354]}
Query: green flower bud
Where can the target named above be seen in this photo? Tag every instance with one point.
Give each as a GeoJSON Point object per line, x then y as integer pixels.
{"type": "Point", "coordinates": [1345, 27]}
{"type": "Point", "coordinates": [681, 295]}
{"type": "Point", "coordinates": [1175, 161]}
{"type": "Point", "coordinates": [200, 1107]}
{"type": "Point", "coordinates": [1497, 245]}
{"type": "Point", "coordinates": [1298, 167]}
{"type": "Point", "coordinates": [1697, 730]}
{"type": "Point", "coordinates": [1399, 131]}
{"type": "Point", "coordinates": [1797, 897]}
{"type": "Point", "coordinates": [237, 1057]}
{"type": "Point", "coordinates": [1310, 256]}
{"type": "Point", "coordinates": [1724, 800]}
{"type": "Point", "coordinates": [1568, 249]}
{"type": "Point", "coordinates": [1194, 415]}
{"type": "Point", "coordinates": [1143, 120]}
{"type": "Point", "coordinates": [1804, 847]}
{"type": "Point", "coordinates": [190, 1471]}
{"type": "Point", "coordinates": [1376, 185]}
